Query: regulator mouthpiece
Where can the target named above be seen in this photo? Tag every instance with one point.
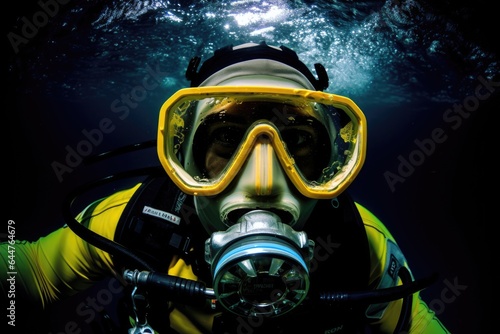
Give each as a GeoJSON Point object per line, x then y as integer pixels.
{"type": "Point", "coordinates": [260, 266]}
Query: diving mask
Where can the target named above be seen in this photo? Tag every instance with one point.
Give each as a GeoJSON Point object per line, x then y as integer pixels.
{"type": "Point", "coordinates": [206, 134]}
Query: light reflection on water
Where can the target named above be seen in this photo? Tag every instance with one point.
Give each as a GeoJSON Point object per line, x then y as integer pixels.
{"type": "Point", "coordinates": [372, 52]}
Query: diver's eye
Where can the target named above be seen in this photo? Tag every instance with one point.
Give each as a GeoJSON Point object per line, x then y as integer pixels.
{"type": "Point", "coordinates": [225, 140]}
{"type": "Point", "coordinates": [297, 137]}
{"type": "Point", "coordinates": [299, 142]}
{"type": "Point", "coordinates": [227, 136]}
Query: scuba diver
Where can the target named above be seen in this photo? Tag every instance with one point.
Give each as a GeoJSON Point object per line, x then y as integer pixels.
{"type": "Point", "coordinates": [246, 227]}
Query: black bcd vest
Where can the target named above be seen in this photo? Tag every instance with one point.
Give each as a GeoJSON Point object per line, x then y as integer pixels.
{"type": "Point", "coordinates": [341, 259]}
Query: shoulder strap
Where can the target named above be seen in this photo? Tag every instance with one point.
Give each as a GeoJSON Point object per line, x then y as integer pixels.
{"type": "Point", "coordinates": [341, 262]}
{"type": "Point", "coordinates": [151, 223]}
{"type": "Point", "coordinates": [337, 228]}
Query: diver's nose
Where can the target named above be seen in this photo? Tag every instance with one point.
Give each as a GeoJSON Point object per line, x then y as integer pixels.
{"type": "Point", "coordinates": [262, 174]}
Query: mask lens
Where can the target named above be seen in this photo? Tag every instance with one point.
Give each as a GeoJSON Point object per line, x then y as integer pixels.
{"type": "Point", "coordinates": [222, 132]}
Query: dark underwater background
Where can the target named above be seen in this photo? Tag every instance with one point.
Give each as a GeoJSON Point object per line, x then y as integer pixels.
{"type": "Point", "coordinates": [425, 73]}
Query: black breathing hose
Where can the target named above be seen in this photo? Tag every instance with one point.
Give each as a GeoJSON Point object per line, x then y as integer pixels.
{"type": "Point", "coordinates": [379, 295]}
{"type": "Point", "coordinates": [173, 285]}
{"type": "Point", "coordinates": [404, 317]}
{"type": "Point", "coordinates": [187, 288]}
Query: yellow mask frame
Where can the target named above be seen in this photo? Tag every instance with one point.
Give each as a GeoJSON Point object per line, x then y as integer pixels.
{"type": "Point", "coordinates": [171, 123]}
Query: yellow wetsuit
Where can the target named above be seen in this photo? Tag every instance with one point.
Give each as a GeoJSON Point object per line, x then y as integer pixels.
{"type": "Point", "coordinates": [61, 264]}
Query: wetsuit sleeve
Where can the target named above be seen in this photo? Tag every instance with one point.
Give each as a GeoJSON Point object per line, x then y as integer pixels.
{"type": "Point", "coordinates": [385, 255]}
{"type": "Point", "coordinates": [61, 263]}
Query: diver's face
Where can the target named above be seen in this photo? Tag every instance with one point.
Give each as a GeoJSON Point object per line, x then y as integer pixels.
{"type": "Point", "coordinates": [224, 131]}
